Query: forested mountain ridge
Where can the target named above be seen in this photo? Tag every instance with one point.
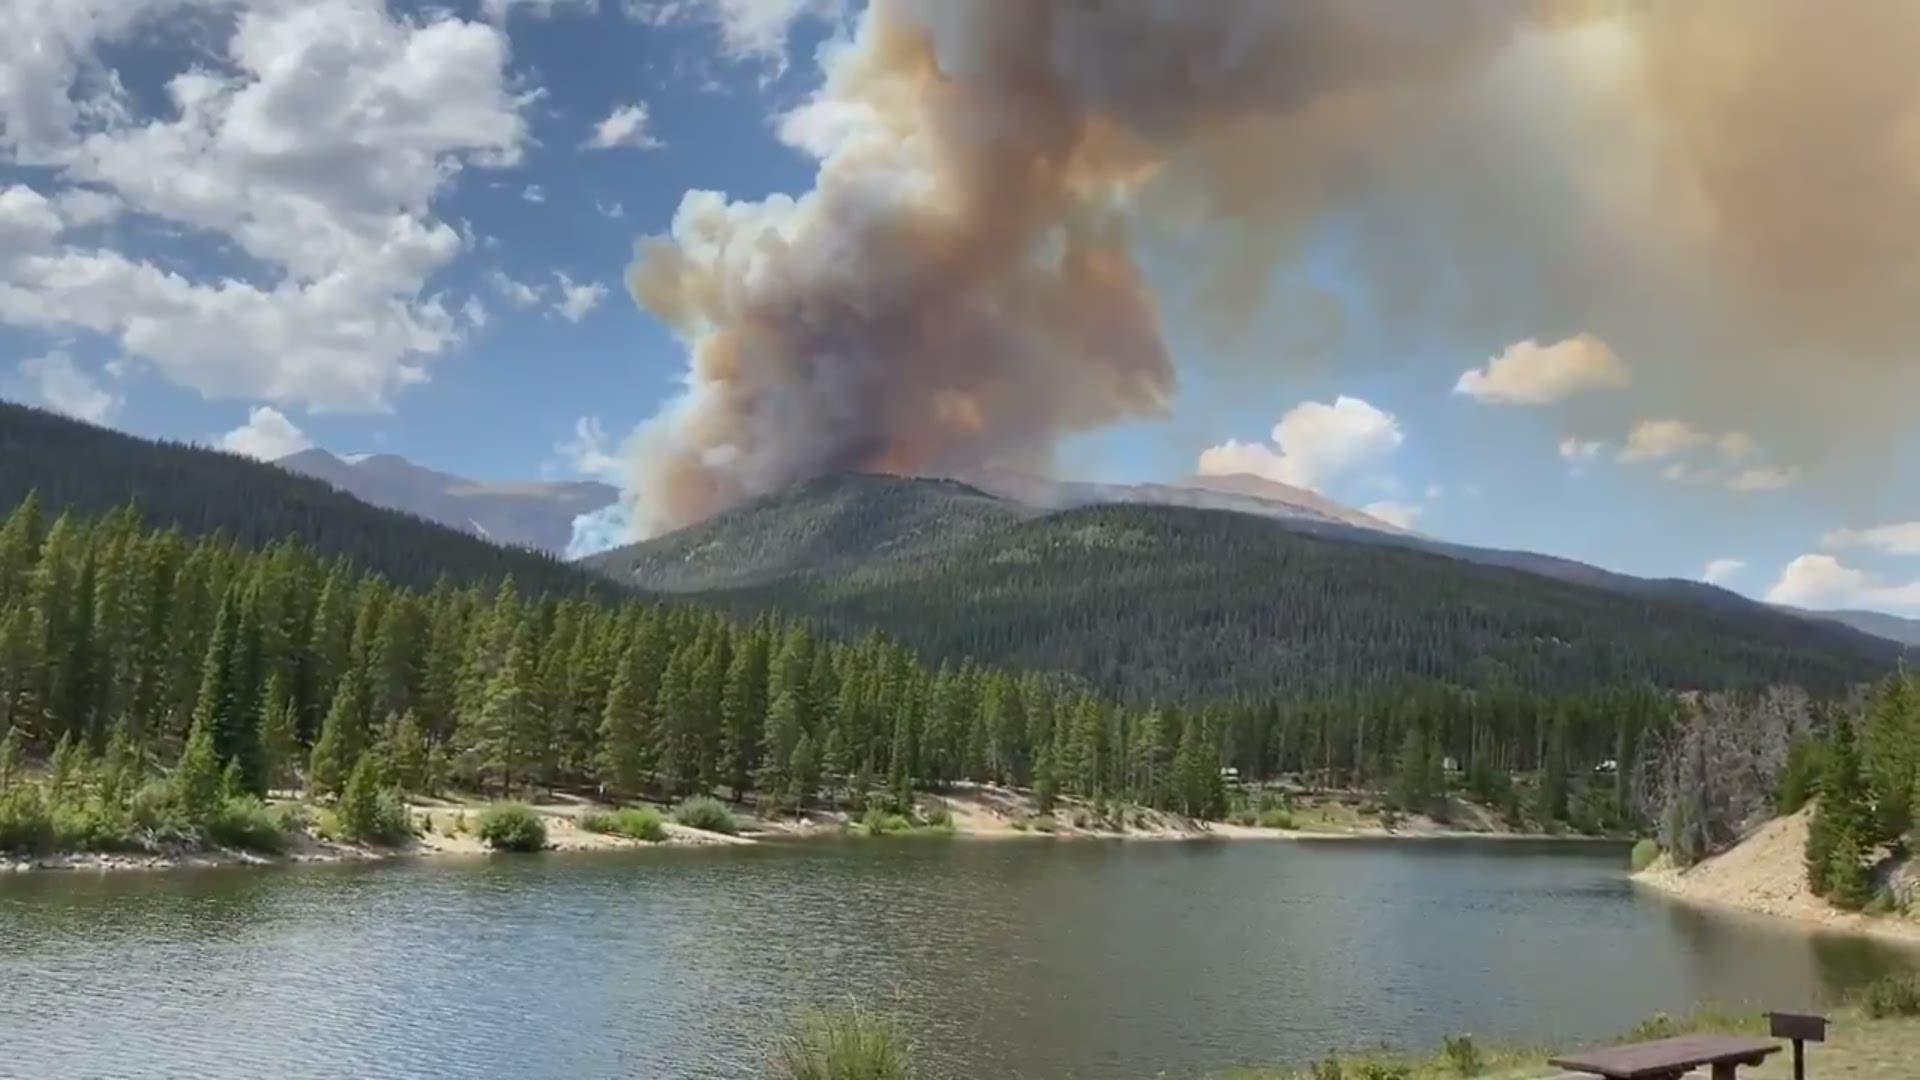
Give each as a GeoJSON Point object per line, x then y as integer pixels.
{"type": "Point", "coordinates": [1153, 602]}
{"type": "Point", "coordinates": [89, 470]}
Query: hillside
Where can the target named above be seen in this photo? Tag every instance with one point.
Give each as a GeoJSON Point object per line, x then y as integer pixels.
{"type": "Point", "coordinates": [87, 469]}
{"type": "Point", "coordinates": [1161, 602]}
{"type": "Point", "coordinates": [532, 515]}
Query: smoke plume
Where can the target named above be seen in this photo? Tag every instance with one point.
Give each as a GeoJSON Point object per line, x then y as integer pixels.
{"type": "Point", "coordinates": [1722, 191]}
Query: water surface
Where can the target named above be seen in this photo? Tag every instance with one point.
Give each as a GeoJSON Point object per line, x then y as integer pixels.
{"type": "Point", "coordinates": [1099, 961]}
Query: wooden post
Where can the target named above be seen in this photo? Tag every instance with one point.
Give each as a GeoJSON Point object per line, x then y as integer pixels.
{"type": "Point", "coordinates": [1802, 1030]}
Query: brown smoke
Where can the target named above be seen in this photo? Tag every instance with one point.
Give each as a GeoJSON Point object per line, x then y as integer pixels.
{"type": "Point", "coordinates": [1722, 190]}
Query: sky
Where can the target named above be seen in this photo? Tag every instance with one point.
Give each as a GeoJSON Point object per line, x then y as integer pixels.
{"type": "Point", "coordinates": [264, 225]}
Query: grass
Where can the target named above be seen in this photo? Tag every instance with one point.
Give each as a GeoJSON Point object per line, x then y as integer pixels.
{"type": "Point", "coordinates": [1275, 818]}
{"type": "Point", "coordinates": [704, 812]}
{"type": "Point", "coordinates": [634, 823]}
{"type": "Point", "coordinates": [513, 827]}
{"type": "Point", "coordinates": [846, 1043]}
{"type": "Point", "coordinates": [1895, 995]}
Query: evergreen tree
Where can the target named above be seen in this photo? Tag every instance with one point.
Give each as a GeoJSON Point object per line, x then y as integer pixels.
{"type": "Point", "coordinates": [1834, 844]}
{"type": "Point", "coordinates": [10, 756]}
{"type": "Point", "coordinates": [782, 742]}
{"type": "Point", "coordinates": [198, 781]}
{"type": "Point", "coordinates": [404, 750]}
{"type": "Point", "coordinates": [342, 736]}
{"type": "Point", "coordinates": [279, 745]}
{"type": "Point", "coordinates": [803, 772]}
{"type": "Point", "coordinates": [743, 710]}
{"type": "Point", "coordinates": [624, 757]}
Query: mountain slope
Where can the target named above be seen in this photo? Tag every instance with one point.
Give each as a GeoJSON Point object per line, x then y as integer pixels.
{"type": "Point", "coordinates": [1877, 623]}
{"type": "Point", "coordinates": [535, 515]}
{"type": "Point", "coordinates": [1239, 492]}
{"type": "Point", "coordinates": [90, 470]}
{"type": "Point", "coordinates": [1152, 601]}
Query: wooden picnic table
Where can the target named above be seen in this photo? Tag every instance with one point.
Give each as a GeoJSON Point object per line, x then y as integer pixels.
{"type": "Point", "coordinates": [1669, 1059]}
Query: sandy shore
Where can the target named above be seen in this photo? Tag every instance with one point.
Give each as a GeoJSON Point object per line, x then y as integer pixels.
{"type": "Point", "coordinates": [1765, 874]}
{"type": "Point", "coordinates": [979, 812]}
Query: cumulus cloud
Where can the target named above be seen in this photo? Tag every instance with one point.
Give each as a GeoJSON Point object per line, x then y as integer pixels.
{"type": "Point", "coordinates": [1763, 478]}
{"type": "Point", "coordinates": [63, 386]}
{"type": "Point", "coordinates": [576, 300]}
{"type": "Point", "coordinates": [1398, 514]}
{"type": "Point", "coordinates": [502, 10]}
{"type": "Point", "coordinates": [1651, 440]}
{"type": "Point", "coordinates": [1738, 446]}
{"type": "Point", "coordinates": [1313, 444]}
{"type": "Point", "coordinates": [626, 125]}
{"type": "Point", "coordinates": [267, 435]}
{"type": "Point", "coordinates": [1898, 539]}
{"type": "Point", "coordinates": [589, 452]}
{"type": "Point", "coordinates": [534, 193]}
{"type": "Point", "coordinates": [1824, 582]}
{"type": "Point", "coordinates": [1529, 373]}
{"type": "Point", "coordinates": [328, 191]}
{"type": "Point", "coordinates": [1719, 571]}
{"type": "Point", "coordinates": [611, 209]}
{"type": "Point", "coordinates": [1577, 450]}
{"type": "Point", "coordinates": [517, 293]}
{"type": "Point", "coordinates": [750, 30]}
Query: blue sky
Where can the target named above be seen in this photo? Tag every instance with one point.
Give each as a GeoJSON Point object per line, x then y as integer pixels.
{"type": "Point", "coordinates": [199, 241]}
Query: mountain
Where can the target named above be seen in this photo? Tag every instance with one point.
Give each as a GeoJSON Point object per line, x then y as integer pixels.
{"type": "Point", "coordinates": [87, 469]}
{"type": "Point", "coordinates": [532, 515]}
{"type": "Point", "coordinates": [1879, 624]}
{"type": "Point", "coordinates": [1239, 492]}
{"type": "Point", "coordinates": [1154, 601]}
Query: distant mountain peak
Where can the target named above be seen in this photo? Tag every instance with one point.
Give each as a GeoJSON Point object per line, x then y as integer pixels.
{"type": "Point", "coordinates": [1238, 492]}
{"type": "Point", "coordinates": [529, 514]}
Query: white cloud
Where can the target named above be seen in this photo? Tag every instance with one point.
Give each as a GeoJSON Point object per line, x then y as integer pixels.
{"type": "Point", "coordinates": [626, 125]}
{"type": "Point", "coordinates": [1763, 478]}
{"type": "Point", "coordinates": [589, 452]}
{"type": "Point", "coordinates": [577, 300]}
{"type": "Point", "coordinates": [502, 10]}
{"type": "Point", "coordinates": [1679, 472]}
{"type": "Point", "coordinates": [1720, 570]}
{"type": "Point", "coordinates": [63, 386]}
{"type": "Point", "coordinates": [1738, 446]}
{"type": "Point", "coordinates": [1529, 373]}
{"type": "Point", "coordinates": [1651, 440]}
{"type": "Point", "coordinates": [1314, 443]}
{"type": "Point", "coordinates": [1823, 582]}
{"type": "Point", "coordinates": [1434, 491]}
{"type": "Point", "coordinates": [1581, 449]}
{"type": "Point", "coordinates": [1398, 514]}
{"type": "Point", "coordinates": [474, 312]}
{"type": "Point", "coordinates": [315, 146]}
{"type": "Point", "coordinates": [267, 435]}
{"type": "Point", "coordinates": [610, 209]}
{"type": "Point", "coordinates": [750, 30]}
{"type": "Point", "coordinates": [517, 293]}
{"type": "Point", "coordinates": [1899, 539]}
{"type": "Point", "coordinates": [534, 193]}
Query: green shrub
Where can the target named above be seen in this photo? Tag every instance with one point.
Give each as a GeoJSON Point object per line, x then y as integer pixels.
{"type": "Point", "coordinates": [1276, 818]}
{"type": "Point", "coordinates": [1463, 1055]}
{"type": "Point", "coordinates": [513, 827]}
{"type": "Point", "coordinates": [1644, 853]}
{"type": "Point", "coordinates": [940, 817]}
{"type": "Point", "coordinates": [1384, 1070]}
{"type": "Point", "coordinates": [1046, 823]}
{"type": "Point", "coordinates": [879, 822]}
{"type": "Point", "coordinates": [1895, 995]}
{"type": "Point", "coordinates": [371, 813]}
{"type": "Point", "coordinates": [843, 1044]}
{"type": "Point", "coordinates": [1883, 903]}
{"type": "Point", "coordinates": [705, 812]}
{"type": "Point", "coordinates": [25, 824]}
{"type": "Point", "coordinates": [245, 822]}
{"type": "Point", "coordinates": [1019, 824]}
{"type": "Point", "coordinates": [1245, 817]}
{"type": "Point", "coordinates": [293, 817]}
{"type": "Point", "coordinates": [641, 823]}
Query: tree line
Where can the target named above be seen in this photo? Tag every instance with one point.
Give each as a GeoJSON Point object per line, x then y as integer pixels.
{"type": "Point", "coordinates": [297, 667]}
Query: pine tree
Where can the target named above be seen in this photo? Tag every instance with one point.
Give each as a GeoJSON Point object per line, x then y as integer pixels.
{"type": "Point", "coordinates": [1840, 820]}
{"type": "Point", "coordinates": [1890, 755]}
{"type": "Point", "coordinates": [743, 710]}
{"type": "Point", "coordinates": [803, 772]}
{"type": "Point", "coordinates": [342, 736]}
{"type": "Point", "coordinates": [278, 745]}
{"type": "Point", "coordinates": [1412, 773]}
{"type": "Point", "coordinates": [781, 744]}
{"type": "Point", "coordinates": [404, 750]}
{"type": "Point", "coordinates": [10, 757]}
{"type": "Point", "coordinates": [510, 721]}
{"type": "Point", "coordinates": [624, 757]}
{"type": "Point", "coordinates": [198, 781]}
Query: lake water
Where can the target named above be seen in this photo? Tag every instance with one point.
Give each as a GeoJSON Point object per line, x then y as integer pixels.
{"type": "Point", "coordinates": [1099, 961]}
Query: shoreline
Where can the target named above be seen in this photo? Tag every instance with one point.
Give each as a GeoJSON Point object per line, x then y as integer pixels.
{"type": "Point", "coordinates": [977, 816]}
{"type": "Point", "coordinates": [1763, 876]}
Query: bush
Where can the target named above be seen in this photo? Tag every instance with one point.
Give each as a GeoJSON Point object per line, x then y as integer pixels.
{"type": "Point", "coordinates": [371, 813]}
{"type": "Point", "coordinates": [1463, 1056]}
{"type": "Point", "coordinates": [705, 812]}
{"type": "Point", "coordinates": [878, 822]}
{"type": "Point", "coordinates": [940, 817]}
{"type": "Point", "coordinates": [245, 822]}
{"type": "Point", "coordinates": [843, 1044]}
{"type": "Point", "coordinates": [1895, 995]}
{"type": "Point", "coordinates": [1082, 819]}
{"type": "Point", "coordinates": [1644, 853]}
{"type": "Point", "coordinates": [25, 825]}
{"type": "Point", "coordinates": [641, 823]}
{"type": "Point", "coordinates": [1244, 817]}
{"type": "Point", "coordinates": [1046, 823]}
{"type": "Point", "coordinates": [1276, 818]}
{"type": "Point", "coordinates": [513, 827]}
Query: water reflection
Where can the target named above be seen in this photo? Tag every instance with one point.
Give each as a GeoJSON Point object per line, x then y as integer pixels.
{"type": "Point", "coordinates": [1019, 959]}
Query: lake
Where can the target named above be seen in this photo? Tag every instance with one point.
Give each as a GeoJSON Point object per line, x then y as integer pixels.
{"type": "Point", "coordinates": [1037, 959]}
